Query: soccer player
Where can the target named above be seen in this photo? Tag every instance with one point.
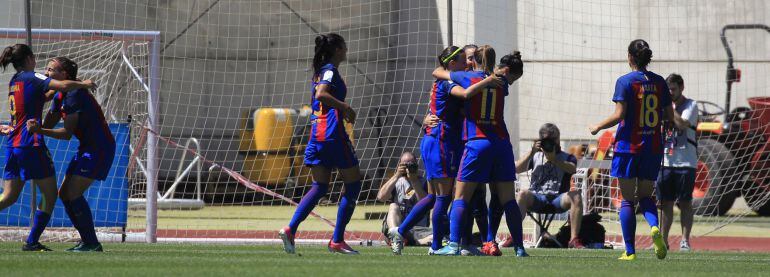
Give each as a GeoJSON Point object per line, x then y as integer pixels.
{"type": "Point", "coordinates": [677, 179]}
{"type": "Point", "coordinates": [440, 147]}
{"type": "Point", "coordinates": [478, 211]}
{"type": "Point", "coordinates": [27, 157]}
{"type": "Point", "coordinates": [487, 219]}
{"type": "Point", "coordinates": [470, 56]}
{"type": "Point", "coordinates": [329, 146]}
{"type": "Point", "coordinates": [641, 99]}
{"type": "Point", "coordinates": [83, 117]}
{"type": "Point", "coordinates": [488, 155]}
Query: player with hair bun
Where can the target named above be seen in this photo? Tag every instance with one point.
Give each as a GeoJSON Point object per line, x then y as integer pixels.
{"type": "Point", "coordinates": [642, 100]}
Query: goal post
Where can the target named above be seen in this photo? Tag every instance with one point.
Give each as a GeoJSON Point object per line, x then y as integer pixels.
{"type": "Point", "coordinates": [146, 77]}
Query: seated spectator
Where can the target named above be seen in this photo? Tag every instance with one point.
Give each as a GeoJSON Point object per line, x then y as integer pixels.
{"type": "Point", "coordinates": [551, 171]}
{"type": "Point", "coordinates": [403, 190]}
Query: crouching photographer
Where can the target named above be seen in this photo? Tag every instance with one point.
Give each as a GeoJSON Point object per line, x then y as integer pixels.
{"type": "Point", "coordinates": [404, 189]}
{"type": "Point", "coordinates": [551, 170]}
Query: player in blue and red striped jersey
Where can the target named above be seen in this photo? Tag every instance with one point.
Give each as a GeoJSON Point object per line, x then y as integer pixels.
{"type": "Point", "coordinates": [329, 146]}
{"type": "Point", "coordinates": [642, 100]}
{"type": "Point", "coordinates": [440, 147]}
{"type": "Point", "coordinates": [27, 157]}
{"type": "Point", "coordinates": [83, 118]}
{"type": "Point", "coordinates": [487, 218]}
{"type": "Point", "coordinates": [488, 155]}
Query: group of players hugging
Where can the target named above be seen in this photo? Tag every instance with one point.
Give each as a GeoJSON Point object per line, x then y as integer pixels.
{"type": "Point", "coordinates": [469, 146]}
{"type": "Point", "coordinates": [28, 158]}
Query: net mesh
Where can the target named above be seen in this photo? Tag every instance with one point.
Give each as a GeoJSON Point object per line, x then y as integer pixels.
{"type": "Point", "coordinates": [235, 77]}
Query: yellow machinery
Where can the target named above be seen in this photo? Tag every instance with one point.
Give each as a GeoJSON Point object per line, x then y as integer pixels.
{"type": "Point", "coordinates": [273, 141]}
{"type": "Point", "coordinates": [266, 140]}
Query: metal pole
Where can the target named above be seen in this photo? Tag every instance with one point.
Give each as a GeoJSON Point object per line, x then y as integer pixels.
{"type": "Point", "coordinates": [28, 25]}
{"type": "Point", "coordinates": [153, 101]}
{"type": "Point", "coordinates": [28, 21]}
{"type": "Point", "coordinates": [450, 32]}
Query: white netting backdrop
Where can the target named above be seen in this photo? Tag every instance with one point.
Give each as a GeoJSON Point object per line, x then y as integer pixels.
{"type": "Point", "coordinates": [221, 61]}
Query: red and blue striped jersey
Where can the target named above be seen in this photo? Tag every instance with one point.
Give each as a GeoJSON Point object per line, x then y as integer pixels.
{"type": "Point", "coordinates": [92, 129]}
{"type": "Point", "coordinates": [484, 111]}
{"type": "Point", "coordinates": [26, 97]}
{"type": "Point", "coordinates": [327, 123]}
{"type": "Point", "coordinates": [646, 95]}
{"type": "Point", "coordinates": [447, 108]}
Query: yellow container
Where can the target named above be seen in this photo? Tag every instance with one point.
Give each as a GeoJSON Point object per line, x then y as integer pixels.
{"type": "Point", "coordinates": [266, 168]}
{"type": "Point", "coordinates": [246, 142]}
{"type": "Point", "coordinates": [267, 129]}
{"type": "Point", "coordinates": [273, 129]}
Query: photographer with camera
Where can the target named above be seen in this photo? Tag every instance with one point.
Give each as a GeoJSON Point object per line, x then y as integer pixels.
{"type": "Point", "coordinates": [551, 170]}
{"type": "Point", "coordinates": [404, 189]}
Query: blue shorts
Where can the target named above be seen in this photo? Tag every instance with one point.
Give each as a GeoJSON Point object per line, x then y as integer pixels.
{"type": "Point", "coordinates": [550, 203]}
{"type": "Point", "coordinates": [487, 161]}
{"type": "Point", "coordinates": [91, 164]}
{"type": "Point", "coordinates": [675, 184]}
{"type": "Point", "coordinates": [629, 166]}
{"type": "Point", "coordinates": [330, 154]}
{"type": "Point", "coordinates": [27, 163]}
{"type": "Point", "coordinates": [441, 158]}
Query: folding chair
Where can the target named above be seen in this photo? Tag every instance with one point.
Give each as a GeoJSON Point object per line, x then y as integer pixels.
{"type": "Point", "coordinates": [544, 219]}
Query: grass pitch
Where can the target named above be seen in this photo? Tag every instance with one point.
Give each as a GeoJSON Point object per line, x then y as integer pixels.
{"type": "Point", "coordinates": [252, 260]}
{"type": "Point", "coordinates": [272, 218]}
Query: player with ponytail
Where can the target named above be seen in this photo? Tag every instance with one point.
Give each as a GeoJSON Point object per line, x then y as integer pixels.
{"type": "Point", "coordinates": [329, 146]}
{"type": "Point", "coordinates": [83, 118]}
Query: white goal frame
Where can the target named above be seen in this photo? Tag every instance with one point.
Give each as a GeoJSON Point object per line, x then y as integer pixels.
{"type": "Point", "coordinates": [152, 86]}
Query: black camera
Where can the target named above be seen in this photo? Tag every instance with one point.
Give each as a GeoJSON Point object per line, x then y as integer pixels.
{"type": "Point", "coordinates": [411, 167]}
{"type": "Point", "coordinates": [548, 145]}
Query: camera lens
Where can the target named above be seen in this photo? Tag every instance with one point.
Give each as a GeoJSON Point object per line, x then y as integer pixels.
{"type": "Point", "coordinates": [547, 145]}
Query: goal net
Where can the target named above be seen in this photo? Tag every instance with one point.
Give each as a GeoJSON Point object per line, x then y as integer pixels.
{"type": "Point", "coordinates": [222, 135]}
{"type": "Point", "coordinates": [119, 62]}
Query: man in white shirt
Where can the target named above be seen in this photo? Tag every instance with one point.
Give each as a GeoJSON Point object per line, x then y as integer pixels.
{"type": "Point", "coordinates": [677, 177]}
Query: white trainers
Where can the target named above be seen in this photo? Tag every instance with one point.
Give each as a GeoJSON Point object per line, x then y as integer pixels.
{"type": "Point", "coordinates": [467, 250]}
{"type": "Point", "coordinates": [288, 239]}
{"type": "Point", "coordinates": [684, 246]}
{"type": "Point", "coordinates": [396, 241]}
